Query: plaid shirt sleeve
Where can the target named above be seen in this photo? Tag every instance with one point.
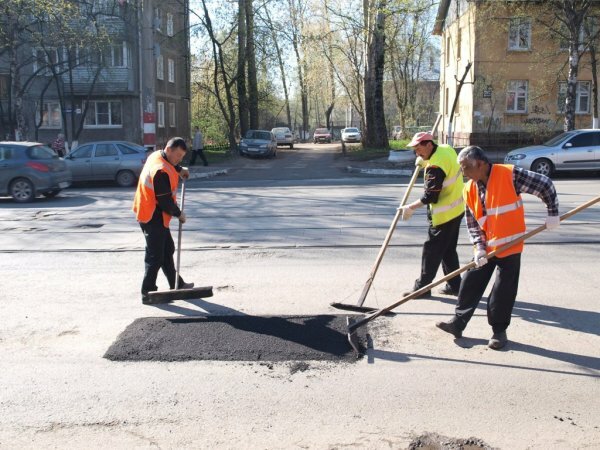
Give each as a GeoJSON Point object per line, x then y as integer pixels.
{"type": "Point", "coordinates": [476, 234]}
{"type": "Point", "coordinates": [536, 184]}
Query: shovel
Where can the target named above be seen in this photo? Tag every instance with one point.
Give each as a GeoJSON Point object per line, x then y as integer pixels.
{"type": "Point", "coordinates": [179, 294]}
{"type": "Point", "coordinates": [359, 305]}
{"type": "Point", "coordinates": [353, 325]}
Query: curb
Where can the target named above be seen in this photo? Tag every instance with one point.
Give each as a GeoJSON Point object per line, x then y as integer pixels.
{"type": "Point", "coordinates": [213, 173]}
{"type": "Point", "coordinates": [386, 172]}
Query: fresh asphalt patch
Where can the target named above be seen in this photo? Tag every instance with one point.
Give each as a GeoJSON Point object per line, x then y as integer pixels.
{"type": "Point", "coordinates": [237, 338]}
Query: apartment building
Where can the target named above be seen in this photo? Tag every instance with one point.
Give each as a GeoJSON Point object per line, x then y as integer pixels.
{"type": "Point", "coordinates": [515, 65]}
{"type": "Point", "coordinates": [134, 85]}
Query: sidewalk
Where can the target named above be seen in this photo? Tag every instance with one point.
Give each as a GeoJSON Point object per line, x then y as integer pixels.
{"type": "Point", "coordinates": [402, 164]}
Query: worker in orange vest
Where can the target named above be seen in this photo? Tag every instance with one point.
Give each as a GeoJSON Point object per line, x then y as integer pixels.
{"type": "Point", "coordinates": [154, 204]}
{"type": "Point", "coordinates": [495, 216]}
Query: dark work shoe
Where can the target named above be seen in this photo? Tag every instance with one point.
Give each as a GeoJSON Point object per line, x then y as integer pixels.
{"type": "Point", "coordinates": [447, 290]}
{"type": "Point", "coordinates": [498, 340]}
{"type": "Point", "coordinates": [426, 294]}
{"type": "Point", "coordinates": [185, 285]}
{"type": "Point", "coordinates": [450, 327]}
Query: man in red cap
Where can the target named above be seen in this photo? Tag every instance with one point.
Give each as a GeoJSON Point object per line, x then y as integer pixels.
{"type": "Point", "coordinates": [443, 186]}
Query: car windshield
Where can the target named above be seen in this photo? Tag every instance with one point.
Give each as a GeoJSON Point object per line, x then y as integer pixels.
{"type": "Point", "coordinates": [558, 139]}
{"type": "Point", "coordinates": [321, 131]}
{"type": "Point", "coordinates": [264, 135]}
{"type": "Point", "coordinates": [280, 130]}
{"type": "Point", "coordinates": [351, 130]}
{"type": "Point", "coordinates": [41, 152]}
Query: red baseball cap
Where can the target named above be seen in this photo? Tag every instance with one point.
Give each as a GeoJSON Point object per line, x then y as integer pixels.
{"type": "Point", "coordinates": [420, 137]}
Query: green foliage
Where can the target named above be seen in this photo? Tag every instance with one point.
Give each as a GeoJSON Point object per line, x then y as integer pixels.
{"type": "Point", "coordinates": [399, 144]}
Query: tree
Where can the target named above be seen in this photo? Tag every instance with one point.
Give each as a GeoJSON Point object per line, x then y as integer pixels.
{"type": "Point", "coordinates": [280, 64]}
{"type": "Point", "coordinates": [566, 21]}
{"type": "Point", "coordinates": [375, 134]}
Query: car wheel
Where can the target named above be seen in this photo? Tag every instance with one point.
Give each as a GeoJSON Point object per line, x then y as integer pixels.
{"type": "Point", "coordinates": [125, 178]}
{"type": "Point", "coordinates": [51, 194]}
{"type": "Point", "coordinates": [22, 190]}
{"type": "Point", "coordinates": [543, 166]}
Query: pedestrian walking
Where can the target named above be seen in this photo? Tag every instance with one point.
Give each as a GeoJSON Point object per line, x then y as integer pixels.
{"type": "Point", "coordinates": [495, 216]}
{"type": "Point", "coordinates": [443, 184]}
{"type": "Point", "coordinates": [59, 145]}
{"type": "Point", "coordinates": [198, 147]}
{"type": "Point", "coordinates": [154, 204]}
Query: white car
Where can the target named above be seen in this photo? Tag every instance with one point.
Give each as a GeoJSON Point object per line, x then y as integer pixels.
{"type": "Point", "coordinates": [351, 135]}
{"type": "Point", "coordinates": [284, 136]}
{"type": "Point", "coordinates": [572, 150]}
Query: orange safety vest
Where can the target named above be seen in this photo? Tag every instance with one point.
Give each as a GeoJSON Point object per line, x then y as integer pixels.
{"type": "Point", "coordinates": [144, 202]}
{"type": "Point", "coordinates": [504, 220]}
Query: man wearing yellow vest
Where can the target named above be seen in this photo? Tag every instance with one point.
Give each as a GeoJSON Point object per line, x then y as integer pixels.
{"type": "Point", "coordinates": [495, 217]}
{"type": "Point", "coordinates": [154, 204]}
{"type": "Point", "coordinates": [443, 184]}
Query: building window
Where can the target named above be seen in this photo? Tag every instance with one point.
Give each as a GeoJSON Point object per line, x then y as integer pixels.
{"type": "Point", "coordinates": [88, 56]}
{"type": "Point", "coordinates": [447, 100]}
{"type": "Point", "coordinates": [157, 19]}
{"type": "Point", "coordinates": [161, 115]}
{"type": "Point", "coordinates": [587, 33]}
{"type": "Point", "coordinates": [116, 55]}
{"type": "Point", "coordinates": [448, 50]}
{"type": "Point", "coordinates": [43, 59]}
{"type": "Point", "coordinates": [458, 43]}
{"type": "Point", "coordinates": [51, 117]}
{"type": "Point", "coordinates": [516, 96]}
{"type": "Point", "coordinates": [172, 115]}
{"type": "Point", "coordinates": [519, 34]}
{"type": "Point", "coordinates": [169, 24]}
{"type": "Point", "coordinates": [160, 69]}
{"type": "Point", "coordinates": [171, 67]}
{"type": "Point", "coordinates": [582, 97]}
{"type": "Point", "coordinates": [103, 114]}
{"type": "Point", "coordinates": [3, 86]}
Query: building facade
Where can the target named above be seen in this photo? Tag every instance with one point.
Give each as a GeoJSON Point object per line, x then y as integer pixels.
{"type": "Point", "coordinates": [515, 66]}
{"type": "Point", "coordinates": [135, 86]}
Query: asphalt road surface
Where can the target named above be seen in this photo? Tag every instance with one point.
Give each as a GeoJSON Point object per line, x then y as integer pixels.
{"type": "Point", "coordinates": [277, 246]}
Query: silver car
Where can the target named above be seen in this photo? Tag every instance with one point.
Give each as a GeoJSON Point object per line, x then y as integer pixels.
{"type": "Point", "coordinates": [283, 136]}
{"type": "Point", "coordinates": [351, 135]}
{"type": "Point", "coordinates": [259, 143]}
{"type": "Point", "coordinates": [571, 150]}
{"type": "Point", "coordinates": [31, 168]}
{"type": "Point", "coordinates": [118, 161]}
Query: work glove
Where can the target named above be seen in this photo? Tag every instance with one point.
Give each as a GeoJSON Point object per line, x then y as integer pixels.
{"type": "Point", "coordinates": [407, 212]}
{"type": "Point", "coordinates": [480, 258]}
{"type": "Point", "coordinates": [185, 173]}
{"type": "Point", "coordinates": [420, 162]}
{"type": "Point", "coordinates": [182, 218]}
{"type": "Point", "coordinates": [552, 222]}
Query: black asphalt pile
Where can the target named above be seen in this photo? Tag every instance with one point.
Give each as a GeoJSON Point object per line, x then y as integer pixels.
{"type": "Point", "coordinates": [433, 441]}
{"type": "Point", "coordinates": [236, 338]}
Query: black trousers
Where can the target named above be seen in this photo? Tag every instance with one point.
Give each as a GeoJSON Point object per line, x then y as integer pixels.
{"type": "Point", "coordinates": [501, 301]}
{"type": "Point", "coordinates": [198, 152]}
{"type": "Point", "coordinates": [159, 254]}
{"type": "Point", "coordinates": [440, 248]}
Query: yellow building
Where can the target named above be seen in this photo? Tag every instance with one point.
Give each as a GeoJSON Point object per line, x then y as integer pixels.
{"type": "Point", "coordinates": [515, 88]}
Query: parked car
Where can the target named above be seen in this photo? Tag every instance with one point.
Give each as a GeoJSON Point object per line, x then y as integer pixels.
{"type": "Point", "coordinates": [322, 135]}
{"type": "Point", "coordinates": [259, 143]}
{"type": "Point", "coordinates": [31, 168]}
{"type": "Point", "coordinates": [572, 150]}
{"type": "Point", "coordinates": [284, 136]}
{"type": "Point", "coordinates": [351, 135]}
{"type": "Point", "coordinates": [118, 161]}
{"type": "Point", "coordinates": [396, 133]}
